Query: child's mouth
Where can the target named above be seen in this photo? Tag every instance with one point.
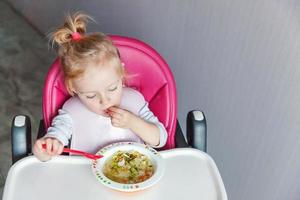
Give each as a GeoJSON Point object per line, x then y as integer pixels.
{"type": "Point", "coordinates": [106, 113]}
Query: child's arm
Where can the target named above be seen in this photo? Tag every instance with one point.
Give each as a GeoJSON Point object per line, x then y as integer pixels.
{"type": "Point", "coordinates": [147, 131]}
{"type": "Point", "coordinates": [57, 137]}
{"type": "Point", "coordinates": [146, 125]}
{"type": "Point", "coordinates": [61, 127]}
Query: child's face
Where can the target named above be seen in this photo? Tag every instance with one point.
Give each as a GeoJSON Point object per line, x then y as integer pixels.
{"type": "Point", "coordinates": [99, 88]}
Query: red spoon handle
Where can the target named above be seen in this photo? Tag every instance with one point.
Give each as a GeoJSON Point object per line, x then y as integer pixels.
{"type": "Point", "coordinates": [88, 155]}
{"type": "Point", "coordinates": [92, 156]}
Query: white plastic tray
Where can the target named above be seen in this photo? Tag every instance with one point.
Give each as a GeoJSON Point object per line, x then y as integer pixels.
{"type": "Point", "coordinates": [189, 174]}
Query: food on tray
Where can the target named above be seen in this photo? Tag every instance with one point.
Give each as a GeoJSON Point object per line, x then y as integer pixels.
{"type": "Point", "coordinates": [128, 167]}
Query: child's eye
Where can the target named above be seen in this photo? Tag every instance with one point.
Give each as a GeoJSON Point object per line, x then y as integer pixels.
{"type": "Point", "coordinates": [113, 89]}
{"type": "Point", "coordinates": [91, 96]}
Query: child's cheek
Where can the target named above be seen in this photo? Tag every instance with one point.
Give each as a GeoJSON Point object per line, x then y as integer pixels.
{"type": "Point", "coordinates": [118, 100]}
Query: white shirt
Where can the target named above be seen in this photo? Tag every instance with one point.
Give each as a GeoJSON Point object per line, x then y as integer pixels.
{"type": "Point", "coordinates": [90, 132]}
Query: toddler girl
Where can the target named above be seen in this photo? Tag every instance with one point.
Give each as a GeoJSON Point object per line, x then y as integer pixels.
{"type": "Point", "coordinates": [101, 110]}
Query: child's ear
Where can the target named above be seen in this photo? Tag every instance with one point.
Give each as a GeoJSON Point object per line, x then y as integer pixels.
{"type": "Point", "coordinates": [73, 92]}
{"type": "Point", "coordinates": [70, 88]}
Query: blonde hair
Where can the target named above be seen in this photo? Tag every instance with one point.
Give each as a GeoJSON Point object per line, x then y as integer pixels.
{"type": "Point", "coordinates": [76, 55]}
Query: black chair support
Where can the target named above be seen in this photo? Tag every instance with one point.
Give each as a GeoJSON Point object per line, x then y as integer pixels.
{"type": "Point", "coordinates": [20, 137]}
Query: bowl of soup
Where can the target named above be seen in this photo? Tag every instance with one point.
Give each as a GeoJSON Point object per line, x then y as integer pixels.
{"type": "Point", "coordinates": [128, 166]}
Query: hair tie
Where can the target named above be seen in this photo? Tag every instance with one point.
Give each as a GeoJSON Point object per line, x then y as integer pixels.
{"type": "Point", "coordinates": [76, 36]}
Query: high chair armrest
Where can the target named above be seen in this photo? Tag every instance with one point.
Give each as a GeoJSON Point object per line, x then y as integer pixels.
{"type": "Point", "coordinates": [196, 130]}
{"type": "Point", "coordinates": [20, 137]}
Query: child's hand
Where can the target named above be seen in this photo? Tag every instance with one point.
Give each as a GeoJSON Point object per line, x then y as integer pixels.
{"type": "Point", "coordinates": [120, 118]}
{"type": "Point", "coordinates": [53, 147]}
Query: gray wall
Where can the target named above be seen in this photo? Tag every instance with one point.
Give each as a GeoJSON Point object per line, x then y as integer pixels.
{"type": "Point", "coordinates": [238, 60]}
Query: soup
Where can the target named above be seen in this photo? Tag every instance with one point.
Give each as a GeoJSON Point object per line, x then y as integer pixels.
{"type": "Point", "coordinates": [128, 167]}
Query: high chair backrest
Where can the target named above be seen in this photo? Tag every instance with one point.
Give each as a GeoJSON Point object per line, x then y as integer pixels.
{"type": "Point", "coordinates": [150, 75]}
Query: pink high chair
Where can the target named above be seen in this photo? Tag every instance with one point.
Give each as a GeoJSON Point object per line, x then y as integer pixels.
{"type": "Point", "coordinates": [153, 78]}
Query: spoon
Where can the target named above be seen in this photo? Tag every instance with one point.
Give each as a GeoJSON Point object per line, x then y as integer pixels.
{"type": "Point", "coordinates": [88, 155]}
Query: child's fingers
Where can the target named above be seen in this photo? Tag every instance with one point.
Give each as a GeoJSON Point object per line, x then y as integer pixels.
{"type": "Point", "coordinates": [60, 148]}
{"type": "Point", "coordinates": [36, 149]}
{"type": "Point", "coordinates": [55, 146]}
{"type": "Point", "coordinates": [115, 115]}
{"type": "Point", "coordinates": [39, 151]}
{"type": "Point", "coordinates": [39, 145]}
{"type": "Point", "coordinates": [49, 146]}
{"type": "Point", "coordinates": [115, 122]}
{"type": "Point", "coordinates": [41, 155]}
{"type": "Point", "coordinates": [115, 109]}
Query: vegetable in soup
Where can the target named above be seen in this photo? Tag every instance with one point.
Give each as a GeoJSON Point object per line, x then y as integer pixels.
{"type": "Point", "coordinates": [128, 167]}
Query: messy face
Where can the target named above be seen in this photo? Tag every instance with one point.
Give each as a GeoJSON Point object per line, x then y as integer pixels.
{"type": "Point", "coordinates": [99, 88]}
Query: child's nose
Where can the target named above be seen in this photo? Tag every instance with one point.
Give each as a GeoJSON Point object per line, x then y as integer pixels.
{"type": "Point", "coordinates": [104, 100]}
